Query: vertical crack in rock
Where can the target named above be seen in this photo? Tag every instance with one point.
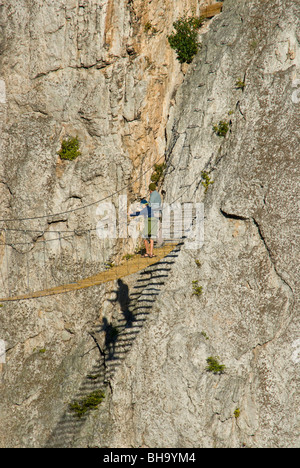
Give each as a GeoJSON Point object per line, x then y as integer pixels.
{"type": "Point", "coordinates": [261, 236]}
{"type": "Point", "coordinates": [271, 257]}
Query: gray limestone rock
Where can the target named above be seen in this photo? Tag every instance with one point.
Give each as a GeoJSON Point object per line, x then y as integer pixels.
{"type": "Point", "coordinates": [249, 262]}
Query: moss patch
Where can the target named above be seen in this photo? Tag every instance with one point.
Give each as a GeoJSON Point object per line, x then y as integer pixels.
{"type": "Point", "coordinates": [90, 402]}
{"type": "Point", "coordinates": [69, 149]}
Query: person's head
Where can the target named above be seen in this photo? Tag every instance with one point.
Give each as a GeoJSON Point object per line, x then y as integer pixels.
{"type": "Point", "coordinates": [152, 187]}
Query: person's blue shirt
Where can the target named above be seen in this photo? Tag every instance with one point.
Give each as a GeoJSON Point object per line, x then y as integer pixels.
{"type": "Point", "coordinates": [147, 212]}
{"type": "Point", "coordinates": [155, 202]}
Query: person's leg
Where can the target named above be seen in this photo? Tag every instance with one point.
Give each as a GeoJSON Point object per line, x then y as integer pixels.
{"type": "Point", "coordinates": [160, 238]}
{"type": "Point", "coordinates": [154, 227]}
{"type": "Point", "coordinates": [151, 247]}
{"type": "Point", "coordinates": [147, 247]}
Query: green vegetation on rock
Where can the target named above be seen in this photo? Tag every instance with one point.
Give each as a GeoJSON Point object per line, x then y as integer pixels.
{"type": "Point", "coordinates": [158, 172]}
{"type": "Point", "coordinates": [185, 40]}
{"type": "Point", "coordinates": [221, 128]}
{"type": "Point", "coordinates": [214, 366]}
{"type": "Point", "coordinates": [206, 180]}
{"type": "Point", "coordinates": [69, 149]}
{"type": "Point", "coordinates": [90, 402]}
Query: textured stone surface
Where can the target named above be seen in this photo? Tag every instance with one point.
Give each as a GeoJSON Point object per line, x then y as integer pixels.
{"type": "Point", "coordinates": [89, 69]}
{"type": "Point", "coordinates": [249, 309]}
{"type": "Point", "coordinates": [161, 394]}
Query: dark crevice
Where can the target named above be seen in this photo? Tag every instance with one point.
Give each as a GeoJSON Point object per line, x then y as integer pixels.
{"type": "Point", "coordinates": [263, 239]}
{"type": "Point", "coordinates": [270, 254]}
{"type": "Point", "coordinates": [233, 216]}
{"type": "Point", "coordinates": [260, 233]}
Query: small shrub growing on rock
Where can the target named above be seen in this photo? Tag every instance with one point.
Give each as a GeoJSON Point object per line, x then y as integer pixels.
{"type": "Point", "coordinates": [206, 180]}
{"type": "Point", "coordinates": [69, 149]}
{"type": "Point", "coordinates": [221, 128]}
{"type": "Point", "coordinates": [185, 40]}
{"type": "Point", "coordinates": [214, 366]}
{"type": "Point", "coordinates": [197, 290]}
{"type": "Point", "coordinates": [240, 84]}
{"type": "Point", "coordinates": [158, 172]}
{"type": "Point", "coordinates": [90, 402]}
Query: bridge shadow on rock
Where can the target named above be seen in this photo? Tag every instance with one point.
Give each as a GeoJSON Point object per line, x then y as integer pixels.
{"type": "Point", "coordinates": [71, 422]}
{"type": "Point", "coordinates": [137, 306]}
{"type": "Point", "coordinates": [114, 342]}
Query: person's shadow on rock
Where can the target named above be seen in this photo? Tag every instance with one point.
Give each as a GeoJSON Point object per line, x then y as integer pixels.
{"type": "Point", "coordinates": [122, 297]}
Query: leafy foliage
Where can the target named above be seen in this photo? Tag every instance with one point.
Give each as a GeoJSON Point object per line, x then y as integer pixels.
{"type": "Point", "coordinates": [69, 149]}
{"type": "Point", "coordinates": [92, 401]}
{"type": "Point", "coordinates": [197, 290]}
{"type": "Point", "coordinates": [184, 40]}
{"type": "Point", "coordinates": [214, 366]}
{"type": "Point", "coordinates": [158, 172]}
{"type": "Point", "coordinates": [221, 128]}
{"type": "Point", "coordinates": [206, 180]}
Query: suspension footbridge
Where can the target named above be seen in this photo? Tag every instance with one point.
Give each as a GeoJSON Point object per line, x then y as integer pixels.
{"type": "Point", "coordinates": [125, 268]}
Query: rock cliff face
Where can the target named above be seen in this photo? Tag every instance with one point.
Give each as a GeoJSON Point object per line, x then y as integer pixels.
{"type": "Point", "coordinates": [93, 69]}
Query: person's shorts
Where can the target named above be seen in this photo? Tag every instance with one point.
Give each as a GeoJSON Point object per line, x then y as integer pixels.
{"type": "Point", "coordinates": [150, 228]}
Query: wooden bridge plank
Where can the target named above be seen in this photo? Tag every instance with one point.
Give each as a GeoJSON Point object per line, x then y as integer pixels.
{"type": "Point", "coordinates": [126, 268]}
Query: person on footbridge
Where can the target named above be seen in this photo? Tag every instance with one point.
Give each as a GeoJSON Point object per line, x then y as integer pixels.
{"type": "Point", "coordinates": [151, 213]}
